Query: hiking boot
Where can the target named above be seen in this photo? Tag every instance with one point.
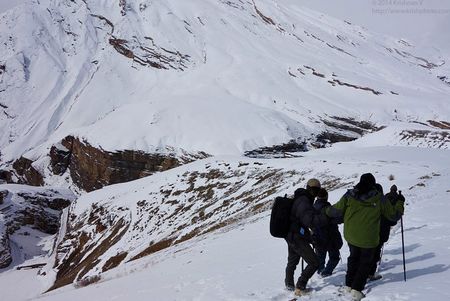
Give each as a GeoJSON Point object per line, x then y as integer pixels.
{"type": "Point", "coordinates": [302, 291]}
{"type": "Point", "coordinates": [374, 277]}
{"type": "Point", "coordinates": [345, 289]}
{"type": "Point", "coordinates": [356, 295]}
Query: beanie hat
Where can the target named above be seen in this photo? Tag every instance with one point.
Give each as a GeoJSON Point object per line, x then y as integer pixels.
{"type": "Point", "coordinates": [394, 188]}
{"type": "Point", "coordinates": [313, 183]}
{"type": "Point", "coordinates": [366, 183]}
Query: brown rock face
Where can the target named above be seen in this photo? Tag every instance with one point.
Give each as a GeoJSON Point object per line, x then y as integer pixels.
{"type": "Point", "coordinates": [60, 156]}
{"type": "Point", "coordinates": [5, 176]}
{"type": "Point", "coordinates": [5, 250]}
{"type": "Point", "coordinates": [92, 168]}
{"type": "Point", "coordinates": [3, 195]}
{"type": "Point", "coordinates": [26, 173]}
{"type": "Point", "coordinates": [39, 209]}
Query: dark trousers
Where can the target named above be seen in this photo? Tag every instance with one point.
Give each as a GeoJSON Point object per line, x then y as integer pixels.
{"type": "Point", "coordinates": [299, 248]}
{"type": "Point", "coordinates": [358, 267]}
{"type": "Point", "coordinates": [333, 259]}
{"type": "Point", "coordinates": [376, 258]}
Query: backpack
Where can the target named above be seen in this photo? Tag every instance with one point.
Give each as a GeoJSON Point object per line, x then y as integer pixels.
{"type": "Point", "coordinates": [280, 222]}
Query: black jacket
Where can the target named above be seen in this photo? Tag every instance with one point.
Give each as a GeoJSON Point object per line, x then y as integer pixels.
{"type": "Point", "coordinates": [304, 217]}
{"type": "Point", "coordinates": [327, 236]}
{"type": "Point", "coordinates": [385, 224]}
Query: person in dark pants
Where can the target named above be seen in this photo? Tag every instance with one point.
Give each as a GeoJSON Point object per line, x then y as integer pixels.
{"type": "Point", "coordinates": [299, 239]}
{"type": "Point", "coordinates": [385, 229]}
{"type": "Point", "coordinates": [362, 208]}
{"type": "Point", "coordinates": [326, 239]}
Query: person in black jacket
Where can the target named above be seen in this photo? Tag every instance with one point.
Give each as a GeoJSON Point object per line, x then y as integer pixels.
{"type": "Point", "coordinates": [299, 239]}
{"type": "Point", "coordinates": [385, 229]}
{"type": "Point", "coordinates": [327, 239]}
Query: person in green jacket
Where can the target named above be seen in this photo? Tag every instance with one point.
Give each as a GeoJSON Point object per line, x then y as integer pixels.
{"type": "Point", "coordinates": [362, 208]}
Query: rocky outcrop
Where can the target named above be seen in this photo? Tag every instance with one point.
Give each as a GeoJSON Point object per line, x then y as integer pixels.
{"type": "Point", "coordinates": [5, 176]}
{"type": "Point", "coordinates": [5, 250]}
{"type": "Point", "coordinates": [86, 242]}
{"type": "Point", "coordinates": [92, 168]}
{"type": "Point", "coordinates": [147, 53]}
{"type": "Point", "coordinates": [425, 138]}
{"type": "Point", "coordinates": [343, 129]}
{"type": "Point", "coordinates": [60, 156]}
{"type": "Point", "coordinates": [3, 195]}
{"type": "Point", "coordinates": [28, 207]}
{"type": "Point", "coordinates": [285, 150]}
{"type": "Point", "coordinates": [26, 173]}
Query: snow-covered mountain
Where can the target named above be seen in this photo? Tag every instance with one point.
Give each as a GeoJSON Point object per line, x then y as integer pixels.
{"type": "Point", "coordinates": [202, 112]}
{"type": "Point", "coordinates": [170, 77]}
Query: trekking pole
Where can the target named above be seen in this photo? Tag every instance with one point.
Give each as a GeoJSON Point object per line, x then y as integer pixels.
{"type": "Point", "coordinates": [403, 249]}
{"type": "Point", "coordinates": [303, 265]}
{"type": "Point", "coordinates": [403, 242]}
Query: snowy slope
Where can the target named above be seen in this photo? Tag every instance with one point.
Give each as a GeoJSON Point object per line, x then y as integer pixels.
{"type": "Point", "coordinates": [242, 262]}
{"type": "Point", "coordinates": [420, 21]}
{"type": "Point", "coordinates": [223, 77]}
{"type": "Point", "coordinates": [157, 76]}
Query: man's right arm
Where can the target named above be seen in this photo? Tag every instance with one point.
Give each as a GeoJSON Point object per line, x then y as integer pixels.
{"type": "Point", "coordinates": [337, 210]}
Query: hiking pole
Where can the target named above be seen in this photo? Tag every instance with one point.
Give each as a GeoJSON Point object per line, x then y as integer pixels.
{"type": "Point", "coordinates": [403, 249]}
{"type": "Point", "coordinates": [303, 264]}
{"type": "Point", "coordinates": [403, 242]}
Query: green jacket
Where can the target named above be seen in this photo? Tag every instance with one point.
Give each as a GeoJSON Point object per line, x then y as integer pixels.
{"type": "Point", "coordinates": [362, 216]}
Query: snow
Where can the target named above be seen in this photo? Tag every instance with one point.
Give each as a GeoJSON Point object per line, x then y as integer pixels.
{"type": "Point", "coordinates": [242, 261]}
{"type": "Point", "coordinates": [258, 73]}
{"type": "Point", "coordinates": [29, 246]}
{"type": "Point", "coordinates": [241, 70]}
{"type": "Point", "coordinates": [420, 21]}
{"type": "Point", "coordinates": [7, 5]}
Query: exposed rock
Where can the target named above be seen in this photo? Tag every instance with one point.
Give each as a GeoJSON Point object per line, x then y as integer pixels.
{"type": "Point", "coordinates": [5, 250]}
{"type": "Point", "coordinates": [26, 173]}
{"type": "Point", "coordinates": [426, 138]}
{"type": "Point", "coordinates": [444, 79]}
{"type": "Point", "coordinates": [60, 156]}
{"type": "Point", "coordinates": [92, 168]}
{"type": "Point", "coordinates": [6, 176]}
{"type": "Point", "coordinates": [325, 138]}
{"type": "Point", "coordinates": [3, 195]}
{"type": "Point", "coordinates": [32, 209]}
{"type": "Point", "coordinates": [314, 72]}
{"type": "Point", "coordinates": [36, 208]}
{"type": "Point", "coordinates": [445, 125]}
{"type": "Point", "coordinates": [266, 19]}
{"type": "Point", "coordinates": [123, 7]}
{"type": "Point", "coordinates": [338, 129]}
{"type": "Point", "coordinates": [279, 151]}
{"type": "Point", "coordinates": [84, 252]}
{"type": "Point", "coordinates": [147, 53]}
{"type": "Point", "coordinates": [335, 81]}
{"type": "Point", "coordinates": [343, 129]}
{"type": "Point", "coordinates": [420, 61]}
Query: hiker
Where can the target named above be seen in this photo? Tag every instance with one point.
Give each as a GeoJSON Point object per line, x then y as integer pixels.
{"type": "Point", "coordinates": [362, 208]}
{"type": "Point", "coordinates": [302, 217]}
{"type": "Point", "coordinates": [385, 229]}
{"type": "Point", "coordinates": [326, 239]}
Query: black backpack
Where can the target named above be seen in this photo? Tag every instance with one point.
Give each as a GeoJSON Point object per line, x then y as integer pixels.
{"type": "Point", "coordinates": [280, 217]}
